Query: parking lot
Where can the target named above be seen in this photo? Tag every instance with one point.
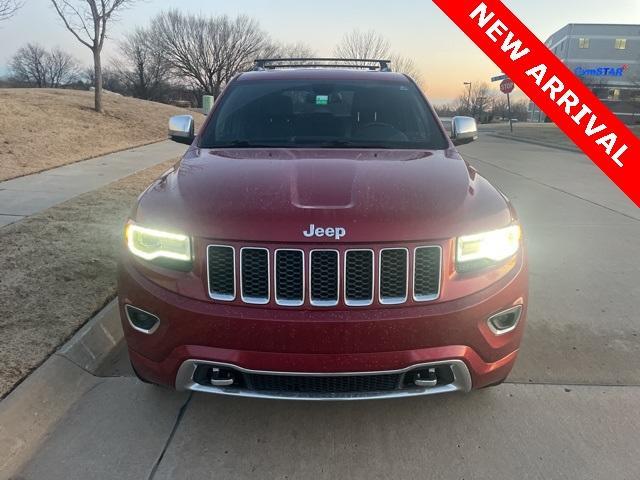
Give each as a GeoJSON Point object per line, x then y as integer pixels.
{"type": "Point", "coordinates": [571, 408]}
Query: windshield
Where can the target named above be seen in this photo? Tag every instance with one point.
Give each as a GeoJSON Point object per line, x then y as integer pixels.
{"type": "Point", "coordinates": [323, 114]}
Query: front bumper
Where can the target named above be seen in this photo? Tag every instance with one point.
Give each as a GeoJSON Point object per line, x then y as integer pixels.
{"type": "Point", "coordinates": [293, 342]}
{"type": "Point", "coordinates": [187, 379]}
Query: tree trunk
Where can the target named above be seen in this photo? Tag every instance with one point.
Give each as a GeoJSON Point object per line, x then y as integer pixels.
{"type": "Point", "coordinates": [97, 64]}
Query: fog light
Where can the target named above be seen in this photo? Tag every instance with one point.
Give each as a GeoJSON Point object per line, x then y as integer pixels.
{"type": "Point", "coordinates": [142, 321]}
{"type": "Point", "coordinates": [505, 322]}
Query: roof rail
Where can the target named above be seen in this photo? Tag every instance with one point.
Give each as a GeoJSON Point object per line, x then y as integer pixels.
{"type": "Point", "coordinates": [360, 63]}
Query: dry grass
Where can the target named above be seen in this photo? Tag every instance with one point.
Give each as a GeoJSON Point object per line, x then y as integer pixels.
{"type": "Point", "coordinates": [58, 268]}
{"type": "Point", "coordinates": [46, 128]}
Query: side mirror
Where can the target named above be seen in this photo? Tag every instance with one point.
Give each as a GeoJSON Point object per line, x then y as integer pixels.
{"type": "Point", "coordinates": [182, 129]}
{"type": "Point", "coordinates": [463, 130]}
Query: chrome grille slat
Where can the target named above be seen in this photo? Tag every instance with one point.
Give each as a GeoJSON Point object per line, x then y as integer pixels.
{"type": "Point", "coordinates": [289, 277]}
{"type": "Point", "coordinates": [387, 273]}
{"type": "Point", "coordinates": [324, 278]}
{"type": "Point", "coordinates": [221, 272]}
{"type": "Point", "coordinates": [255, 281]}
{"type": "Point", "coordinates": [427, 265]}
{"type": "Point", "coordinates": [393, 275]}
{"type": "Point", "coordinates": [358, 277]}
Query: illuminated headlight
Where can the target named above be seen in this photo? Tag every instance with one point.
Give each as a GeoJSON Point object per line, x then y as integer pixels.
{"type": "Point", "coordinates": [152, 245]}
{"type": "Point", "coordinates": [478, 251]}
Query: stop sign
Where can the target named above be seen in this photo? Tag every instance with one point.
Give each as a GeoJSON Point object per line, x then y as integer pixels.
{"type": "Point", "coordinates": [507, 86]}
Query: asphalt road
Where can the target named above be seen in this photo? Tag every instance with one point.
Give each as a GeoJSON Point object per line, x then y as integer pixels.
{"type": "Point", "coordinates": [571, 409]}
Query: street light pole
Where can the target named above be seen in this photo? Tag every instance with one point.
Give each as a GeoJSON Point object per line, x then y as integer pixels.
{"type": "Point", "coordinates": [469, 84]}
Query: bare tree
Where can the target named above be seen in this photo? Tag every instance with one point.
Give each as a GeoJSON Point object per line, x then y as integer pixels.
{"type": "Point", "coordinates": [143, 68]}
{"type": "Point", "coordinates": [8, 8]}
{"type": "Point", "coordinates": [373, 45]}
{"type": "Point", "coordinates": [208, 51]}
{"type": "Point", "coordinates": [446, 110]}
{"type": "Point", "coordinates": [369, 44]}
{"type": "Point", "coordinates": [87, 20]}
{"type": "Point", "coordinates": [242, 40]}
{"type": "Point", "coordinates": [520, 110]}
{"type": "Point", "coordinates": [111, 79]}
{"type": "Point", "coordinates": [290, 50]}
{"type": "Point", "coordinates": [499, 107]}
{"type": "Point", "coordinates": [476, 101]}
{"type": "Point", "coordinates": [34, 65]}
{"type": "Point", "coordinates": [28, 65]}
{"type": "Point", "coordinates": [407, 66]}
{"type": "Point", "coordinates": [61, 68]}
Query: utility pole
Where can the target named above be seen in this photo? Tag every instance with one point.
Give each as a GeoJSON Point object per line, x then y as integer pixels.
{"type": "Point", "coordinates": [510, 115]}
{"type": "Point", "coordinates": [469, 84]}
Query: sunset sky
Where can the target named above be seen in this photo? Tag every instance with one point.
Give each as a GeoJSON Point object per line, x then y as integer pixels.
{"type": "Point", "coordinates": [417, 29]}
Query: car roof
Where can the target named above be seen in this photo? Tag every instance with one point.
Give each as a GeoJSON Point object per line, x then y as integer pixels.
{"type": "Point", "coordinates": [322, 74]}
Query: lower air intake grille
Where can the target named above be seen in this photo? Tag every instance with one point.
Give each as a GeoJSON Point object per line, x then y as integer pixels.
{"type": "Point", "coordinates": [427, 273]}
{"type": "Point", "coordinates": [328, 384]}
{"type": "Point", "coordinates": [255, 275]}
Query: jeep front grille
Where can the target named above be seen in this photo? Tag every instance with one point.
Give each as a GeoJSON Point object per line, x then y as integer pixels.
{"type": "Point", "coordinates": [289, 275]}
{"type": "Point", "coordinates": [358, 277]}
{"type": "Point", "coordinates": [394, 275]}
{"type": "Point", "coordinates": [222, 272]}
{"type": "Point", "coordinates": [426, 266]}
{"type": "Point", "coordinates": [355, 277]}
{"type": "Point", "coordinates": [254, 275]}
{"type": "Point", "coordinates": [324, 278]}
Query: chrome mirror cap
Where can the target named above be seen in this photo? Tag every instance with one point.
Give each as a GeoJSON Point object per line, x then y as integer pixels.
{"type": "Point", "coordinates": [463, 130]}
{"type": "Point", "coordinates": [182, 129]}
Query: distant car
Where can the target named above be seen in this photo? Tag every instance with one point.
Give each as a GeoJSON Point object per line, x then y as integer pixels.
{"type": "Point", "coordinates": [322, 238]}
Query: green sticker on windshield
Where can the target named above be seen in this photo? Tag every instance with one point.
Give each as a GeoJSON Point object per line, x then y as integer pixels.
{"type": "Point", "coordinates": [322, 99]}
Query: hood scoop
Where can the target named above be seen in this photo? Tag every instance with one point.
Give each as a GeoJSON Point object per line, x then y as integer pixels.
{"type": "Point", "coordinates": [312, 188]}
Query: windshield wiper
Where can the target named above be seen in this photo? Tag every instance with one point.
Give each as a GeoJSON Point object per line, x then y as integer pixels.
{"type": "Point", "coordinates": [329, 144]}
{"type": "Point", "coordinates": [351, 144]}
{"type": "Point", "coordinates": [242, 144]}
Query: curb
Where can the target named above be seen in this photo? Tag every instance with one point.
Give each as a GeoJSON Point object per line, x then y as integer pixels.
{"type": "Point", "coordinates": [94, 342]}
{"type": "Point", "coordinates": [535, 142]}
{"type": "Point", "coordinates": [33, 409]}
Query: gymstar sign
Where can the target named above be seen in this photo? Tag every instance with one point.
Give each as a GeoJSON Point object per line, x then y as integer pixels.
{"type": "Point", "coordinates": [601, 71]}
{"type": "Point", "coordinates": [552, 86]}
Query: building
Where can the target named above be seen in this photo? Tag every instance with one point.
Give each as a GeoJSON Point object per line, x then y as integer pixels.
{"type": "Point", "coordinates": [607, 59]}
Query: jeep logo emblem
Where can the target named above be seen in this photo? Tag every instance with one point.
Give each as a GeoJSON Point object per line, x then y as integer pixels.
{"type": "Point", "coordinates": [331, 232]}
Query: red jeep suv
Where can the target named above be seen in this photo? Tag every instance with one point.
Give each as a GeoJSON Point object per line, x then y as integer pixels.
{"type": "Point", "coordinates": [322, 238]}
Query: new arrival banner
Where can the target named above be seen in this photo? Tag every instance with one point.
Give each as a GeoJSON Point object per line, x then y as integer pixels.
{"type": "Point", "coordinates": [552, 86]}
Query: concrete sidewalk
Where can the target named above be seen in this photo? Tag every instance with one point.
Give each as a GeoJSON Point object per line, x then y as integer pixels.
{"type": "Point", "coordinates": [119, 428]}
{"type": "Point", "coordinates": [30, 194]}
